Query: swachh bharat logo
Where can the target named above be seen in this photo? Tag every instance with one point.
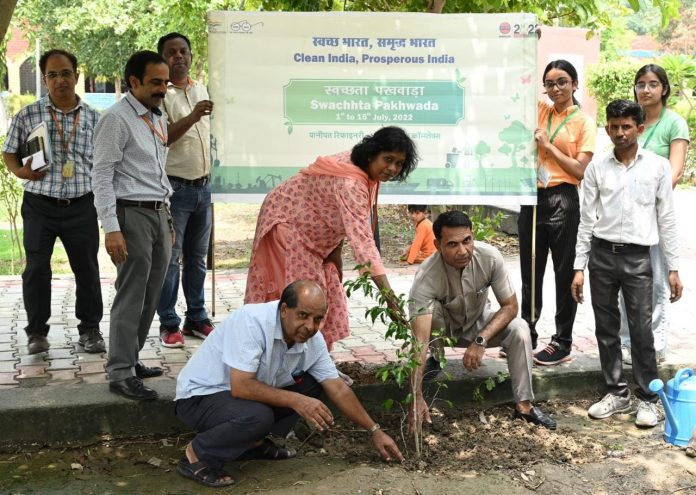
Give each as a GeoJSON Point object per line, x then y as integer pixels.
{"type": "Point", "coordinates": [505, 28]}
{"type": "Point", "coordinates": [243, 27]}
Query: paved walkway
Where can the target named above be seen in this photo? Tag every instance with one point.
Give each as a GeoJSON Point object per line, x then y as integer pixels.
{"type": "Point", "coordinates": [66, 363]}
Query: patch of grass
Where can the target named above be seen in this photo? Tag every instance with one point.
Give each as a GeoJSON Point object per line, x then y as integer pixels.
{"type": "Point", "coordinates": [10, 265]}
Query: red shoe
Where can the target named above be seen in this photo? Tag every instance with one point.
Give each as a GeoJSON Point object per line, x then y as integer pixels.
{"type": "Point", "coordinates": [200, 329]}
{"type": "Point", "coordinates": [171, 336]}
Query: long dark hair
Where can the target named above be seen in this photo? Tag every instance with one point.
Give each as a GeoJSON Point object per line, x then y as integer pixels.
{"type": "Point", "coordinates": [661, 75]}
{"type": "Point", "coordinates": [384, 140]}
{"type": "Point", "coordinates": [568, 68]}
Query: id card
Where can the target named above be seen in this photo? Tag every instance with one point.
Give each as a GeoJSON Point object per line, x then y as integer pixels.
{"type": "Point", "coordinates": [543, 175]}
{"type": "Point", "coordinates": [69, 169]}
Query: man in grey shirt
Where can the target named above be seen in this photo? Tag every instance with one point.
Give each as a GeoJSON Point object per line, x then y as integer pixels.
{"type": "Point", "coordinates": [450, 293]}
{"type": "Point", "coordinates": [131, 195]}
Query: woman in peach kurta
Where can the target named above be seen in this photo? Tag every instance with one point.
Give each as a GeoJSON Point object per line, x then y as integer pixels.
{"type": "Point", "coordinates": [304, 221]}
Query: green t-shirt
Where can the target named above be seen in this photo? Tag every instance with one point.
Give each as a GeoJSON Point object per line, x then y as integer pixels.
{"type": "Point", "coordinates": [670, 127]}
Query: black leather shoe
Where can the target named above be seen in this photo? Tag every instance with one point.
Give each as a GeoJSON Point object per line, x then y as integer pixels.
{"type": "Point", "coordinates": [37, 343]}
{"type": "Point", "coordinates": [132, 388]}
{"type": "Point", "coordinates": [142, 371]}
{"type": "Point", "coordinates": [432, 369]}
{"type": "Point", "coordinates": [536, 416]}
{"type": "Point", "coordinates": [92, 341]}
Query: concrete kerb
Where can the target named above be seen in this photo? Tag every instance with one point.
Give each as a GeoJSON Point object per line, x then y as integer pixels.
{"type": "Point", "coordinates": [82, 414]}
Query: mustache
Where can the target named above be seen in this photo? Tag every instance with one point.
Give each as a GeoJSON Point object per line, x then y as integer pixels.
{"type": "Point", "coordinates": [159, 95]}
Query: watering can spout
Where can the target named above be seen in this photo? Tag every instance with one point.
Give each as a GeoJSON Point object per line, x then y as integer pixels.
{"type": "Point", "coordinates": [658, 387]}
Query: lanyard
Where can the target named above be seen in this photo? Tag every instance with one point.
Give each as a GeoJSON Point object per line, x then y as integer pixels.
{"type": "Point", "coordinates": [652, 131]}
{"type": "Point", "coordinates": [560, 126]}
{"type": "Point", "coordinates": [65, 144]}
{"type": "Point", "coordinates": [161, 135]}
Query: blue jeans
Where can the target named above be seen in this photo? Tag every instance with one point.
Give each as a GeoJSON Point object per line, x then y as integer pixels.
{"type": "Point", "coordinates": [191, 213]}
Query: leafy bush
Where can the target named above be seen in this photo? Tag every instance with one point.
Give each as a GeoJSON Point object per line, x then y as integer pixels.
{"type": "Point", "coordinates": [11, 192]}
{"type": "Point", "coordinates": [16, 102]}
{"type": "Point", "coordinates": [609, 81]}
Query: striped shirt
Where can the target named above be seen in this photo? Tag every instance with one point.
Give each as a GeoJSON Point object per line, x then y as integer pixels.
{"type": "Point", "coordinates": [251, 340]}
{"type": "Point", "coordinates": [79, 148]}
{"type": "Point", "coordinates": [129, 159]}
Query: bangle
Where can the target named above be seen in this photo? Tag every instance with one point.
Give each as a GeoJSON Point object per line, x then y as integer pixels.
{"type": "Point", "coordinates": [374, 428]}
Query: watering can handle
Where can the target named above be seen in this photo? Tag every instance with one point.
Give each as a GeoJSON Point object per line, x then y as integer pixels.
{"type": "Point", "coordinates": [680, 376]}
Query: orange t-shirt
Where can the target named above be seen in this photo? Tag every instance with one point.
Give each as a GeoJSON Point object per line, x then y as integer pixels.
{"type": "Point", "coordinates": [577, 135]}
{"type": "Point", "coordinates": [424, 243]}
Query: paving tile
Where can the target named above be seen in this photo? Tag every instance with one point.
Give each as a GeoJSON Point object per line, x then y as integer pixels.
{"type": "Point", "coordinates": [8, 347]}
{"type": "Point", "coordinates": [366, 349]}
{"type": "Point", "coordinates": [33, 359]}
{"type": "Point", "coordinates": [84, 357]}
{"type": "Point", "coordinates": [91, 367]}
{"type": "Point", "coordinates": [8, 378]}
{"type": "Point", "coordinates": [62, 364]}
{"type": "Point", "coordinates": [31, 370]}
{"type": "Point", "coordinates": [8, 366]}
{"type": "Point", "coordinates": [175, 358]}
{"type": "Point", "coordinates": [372, 358]}
{"type": "Point", "coordinates": [342, 357]}
{"type": "Point", "coordinates": [8, 355]}
{"type": "Point", "coordinates": [61, 353]}
{"type": "Point", "coordinates": [148, 354]}
{"type": "Point", "coordinates": [174, 369]}
{"type": "Point", "coordinates": [62, 375]}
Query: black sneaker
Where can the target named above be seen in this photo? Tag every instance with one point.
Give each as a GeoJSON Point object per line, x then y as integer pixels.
{"type": "Point", "coordinates": [551, 355]}
{"type": "Point", "coordinates": [92, 341]}
{"type": "Point", "coordinates": [432, 369]}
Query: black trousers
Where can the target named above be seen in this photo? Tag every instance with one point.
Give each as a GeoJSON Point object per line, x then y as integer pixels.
{"type": "Point", "coordinates": [632, 273]}
{"type": "Point", "coordinates": [558, 217]}
{"type": "Point", "coordinates": [228, 426]}
{"type": "Point", "coordinates": [77, 228]}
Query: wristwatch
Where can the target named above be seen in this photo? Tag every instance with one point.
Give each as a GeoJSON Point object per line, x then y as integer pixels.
{"type": "Point", "coordinates": [374, 428]}
{"type": "Point", "coordinates": [480, 340]}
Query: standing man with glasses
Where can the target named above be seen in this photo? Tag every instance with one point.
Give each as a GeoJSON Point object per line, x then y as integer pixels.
{"type": "Point", "coordinates": [132, 196]}
{"type": "Point", "coordinates": [188, 169]}
{"type": "Point", "coordinates": [58, 203]}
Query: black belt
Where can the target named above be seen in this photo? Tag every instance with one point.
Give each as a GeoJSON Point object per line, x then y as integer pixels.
{"type": "Point", "coordinates": [60, 201]}
{"type": "Point", "coordinates": [618, 247]}
{"type": "Point", "coordinates": [200, 182]}
{"type": "Point", "coordinates": [150, 205]}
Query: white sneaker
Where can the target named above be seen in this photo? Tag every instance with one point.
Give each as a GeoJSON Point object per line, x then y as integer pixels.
{"type": "Point", "coordinates": [610, 404]}
{"type": "Point", "coordinates": [647, 414]}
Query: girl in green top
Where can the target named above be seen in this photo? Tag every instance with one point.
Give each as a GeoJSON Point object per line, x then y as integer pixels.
{"type": "Point", "coordinates": [666, 134]}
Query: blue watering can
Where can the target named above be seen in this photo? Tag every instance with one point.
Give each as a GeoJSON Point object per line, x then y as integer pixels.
{"type": "Point", "coordinates": [679, 401]}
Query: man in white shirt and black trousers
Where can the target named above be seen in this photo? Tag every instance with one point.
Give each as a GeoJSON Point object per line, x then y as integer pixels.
{"type": "Point", "coordinates": [628, 207]}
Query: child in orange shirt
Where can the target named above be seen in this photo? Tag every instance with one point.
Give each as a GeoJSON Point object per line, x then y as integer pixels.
{"type": "Point", "coordinates": [424, 243]}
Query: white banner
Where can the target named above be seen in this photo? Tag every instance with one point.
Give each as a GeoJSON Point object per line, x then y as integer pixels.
{"type": "Point", "coordinates": [289, 87]}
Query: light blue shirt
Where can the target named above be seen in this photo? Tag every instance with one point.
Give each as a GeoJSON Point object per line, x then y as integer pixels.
{"type": "Point", "coordinates": [251, 340]}
{"type": "Point", "coordinates": [129, 158]}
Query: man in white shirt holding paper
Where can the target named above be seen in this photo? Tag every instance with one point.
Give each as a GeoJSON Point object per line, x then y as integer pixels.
{"type": "Point", "coordinates": [58, 202]}
{"type": "Point", "coordinates": [628, 207]}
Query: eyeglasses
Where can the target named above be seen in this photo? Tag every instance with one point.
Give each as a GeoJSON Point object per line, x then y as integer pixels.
{"type": "Point", "coordinates": [652, 85]}
{"type": "Point", "coordinates": [560, 84]}
{"type": "Point", "coordinates": [64, 74]}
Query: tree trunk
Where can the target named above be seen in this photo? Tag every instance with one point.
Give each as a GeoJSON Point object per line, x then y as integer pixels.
{"type": "Point", "coordinates": [435, 6]}
{"type": "Point", "coordinates": [6, 10]}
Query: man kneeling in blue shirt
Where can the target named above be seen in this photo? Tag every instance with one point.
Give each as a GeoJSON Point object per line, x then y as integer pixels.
{"type": "Point", "coordinates": [255, 375]}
